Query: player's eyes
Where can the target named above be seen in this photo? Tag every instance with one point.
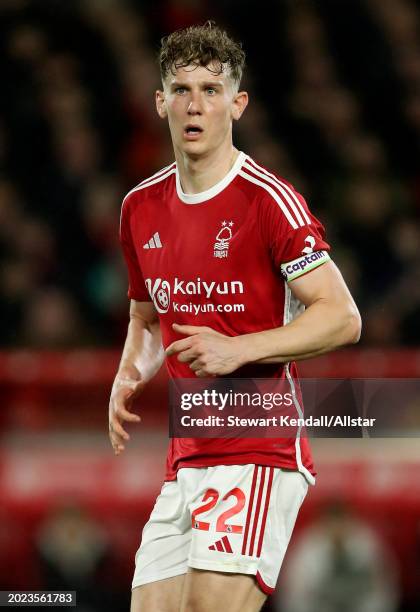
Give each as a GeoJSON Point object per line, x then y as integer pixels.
{"type": "Point", "coordinates": [180, 90]}
{"type": "Point", "coordinates": [211, 91]}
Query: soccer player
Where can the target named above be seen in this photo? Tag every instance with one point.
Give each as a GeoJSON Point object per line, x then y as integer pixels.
{"type": "Point", "coordinates": [221, 255]}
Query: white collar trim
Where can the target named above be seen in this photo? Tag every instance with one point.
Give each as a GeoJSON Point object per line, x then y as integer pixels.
{"type": "Point", "coordinates": [196, 198]}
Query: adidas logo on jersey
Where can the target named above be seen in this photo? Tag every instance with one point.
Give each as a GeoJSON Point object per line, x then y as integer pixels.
{"type": "Point", "coordinates": [154, 242]}
{"type": "Point", "coordinates": [222, 545]}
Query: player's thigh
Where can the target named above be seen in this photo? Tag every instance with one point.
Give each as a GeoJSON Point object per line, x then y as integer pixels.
{"type": "Point", "coordinates": [207, 591]}
{"type": "Point", "coordinates": [166, 537]}
{"type": "Point", "coordinates": [160, 596]}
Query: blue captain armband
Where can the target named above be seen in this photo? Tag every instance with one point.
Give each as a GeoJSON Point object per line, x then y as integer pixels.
{"type": "Point", "coordinates": [302, 265]}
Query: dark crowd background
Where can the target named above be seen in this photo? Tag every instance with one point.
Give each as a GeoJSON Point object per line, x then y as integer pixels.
{"type": "Point", "coordinates": [335, 109]}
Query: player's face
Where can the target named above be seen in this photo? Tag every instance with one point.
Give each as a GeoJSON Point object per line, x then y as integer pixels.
{"type": "Point", "coordinates": [200, 107]}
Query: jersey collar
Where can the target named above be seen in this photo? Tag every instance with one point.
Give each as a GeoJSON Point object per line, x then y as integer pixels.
{"type": "Point", "coordinates": [203, 196]}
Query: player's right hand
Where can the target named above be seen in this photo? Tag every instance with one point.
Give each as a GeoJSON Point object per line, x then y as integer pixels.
{"type": "Point", "coordinates": [124, 391]}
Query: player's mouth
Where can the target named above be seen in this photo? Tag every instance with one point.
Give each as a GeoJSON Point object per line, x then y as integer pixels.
{"type": "Point", "coordinates": [192, 132]}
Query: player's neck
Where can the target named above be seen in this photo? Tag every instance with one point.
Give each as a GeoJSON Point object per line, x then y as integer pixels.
{"type": "Point", "coordinates": [202, 173]}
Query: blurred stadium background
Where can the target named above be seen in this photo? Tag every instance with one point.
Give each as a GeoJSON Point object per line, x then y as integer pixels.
{"type": "Point", "coordinates": [335, 109]}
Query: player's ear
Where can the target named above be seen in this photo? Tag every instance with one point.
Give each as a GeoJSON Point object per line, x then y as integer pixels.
{"type": "Point", "coordinates": [161, 104]}
{"type": "Point", "coordinates": [239, 104]}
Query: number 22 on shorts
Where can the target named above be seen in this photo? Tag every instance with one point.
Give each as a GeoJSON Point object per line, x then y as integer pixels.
{"type": "Point", "coordinates": [210, 499]}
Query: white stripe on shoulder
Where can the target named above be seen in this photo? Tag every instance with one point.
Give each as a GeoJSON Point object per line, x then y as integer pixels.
{"type": "Point", "coordinates": [279, 188]}
{"type": "Point", "coordinates": [152, 181]}
{"type": "Point", "coordinates": [285, 186]}
{"type": "Point", "coordinates": [165, 169]}
{"type": "Point", "coordinates": [147, 183]}
{"type": "Point", "coordinates": [252, 178]}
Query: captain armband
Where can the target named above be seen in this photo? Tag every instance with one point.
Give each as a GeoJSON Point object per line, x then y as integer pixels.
{"type": "Point", "coordinates": [302, 265]}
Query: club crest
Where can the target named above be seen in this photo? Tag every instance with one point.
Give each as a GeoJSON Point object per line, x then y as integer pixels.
{"type": "Point", "coordinates": [221, 245]}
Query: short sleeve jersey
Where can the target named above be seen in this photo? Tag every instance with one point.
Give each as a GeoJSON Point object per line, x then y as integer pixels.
{"type": "Point", "coordinates": [223, 258]}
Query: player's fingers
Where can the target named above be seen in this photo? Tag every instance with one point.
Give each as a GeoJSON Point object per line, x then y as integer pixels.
{"type": "Point", "coordinates": [124, 394]}
{"type": "Point", "coordinates": [202, 374]}
{"type": "Point", "coordinates": [200, 370]}
{"type": "Point", "coordinates": [126, 415]}
{"type": "Point", "coordinates": [118, 429]}
{"type": "Point", "coordinates": [116, 442]}
{"type": "Point", "coordinates": [114, 437]}
{"type": "Point", "coordinates": [122, 400]}
{"type": "Point", "coordinates": [187, 356]}
{"type": "Point", "coordinates": [131, 392]}
{"type": "Point", "coordinates": [177, 346]}
{"type": "Point", "coordinates": [118, 449]}
{"type": "Point", "coordinates": [197, 364]}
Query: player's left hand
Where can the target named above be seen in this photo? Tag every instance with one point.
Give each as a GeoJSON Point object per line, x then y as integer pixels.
{"type": "Point", "coordinates": [208, 352]}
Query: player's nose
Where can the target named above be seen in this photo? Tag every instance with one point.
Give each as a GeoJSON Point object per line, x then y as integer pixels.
{"type": "Point", "coordinates": [194, 107]}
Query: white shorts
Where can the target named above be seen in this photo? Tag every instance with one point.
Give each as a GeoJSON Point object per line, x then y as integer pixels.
{"type": "Point", "coordinates": [236, 518]}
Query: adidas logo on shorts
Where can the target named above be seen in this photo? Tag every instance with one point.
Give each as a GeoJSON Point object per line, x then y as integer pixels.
{"type": "Point", "coordinates": [222, 545]}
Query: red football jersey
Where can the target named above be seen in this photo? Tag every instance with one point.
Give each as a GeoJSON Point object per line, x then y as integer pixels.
{"type": "Point", "coordinates": [223, 258]}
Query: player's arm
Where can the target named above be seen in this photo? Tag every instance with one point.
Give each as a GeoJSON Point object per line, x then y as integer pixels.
{"type": "Point", "coordinates": [331, 320]}
{"type": "Point", "coordinates": [141, 359]}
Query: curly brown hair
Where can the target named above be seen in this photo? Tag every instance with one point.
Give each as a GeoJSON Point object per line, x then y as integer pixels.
{"type": "Point", "coordinates": [203, 45]}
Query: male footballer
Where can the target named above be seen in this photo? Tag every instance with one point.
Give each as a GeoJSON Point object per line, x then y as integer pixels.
{"type": "Point", "coordinates": [229, 274]}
